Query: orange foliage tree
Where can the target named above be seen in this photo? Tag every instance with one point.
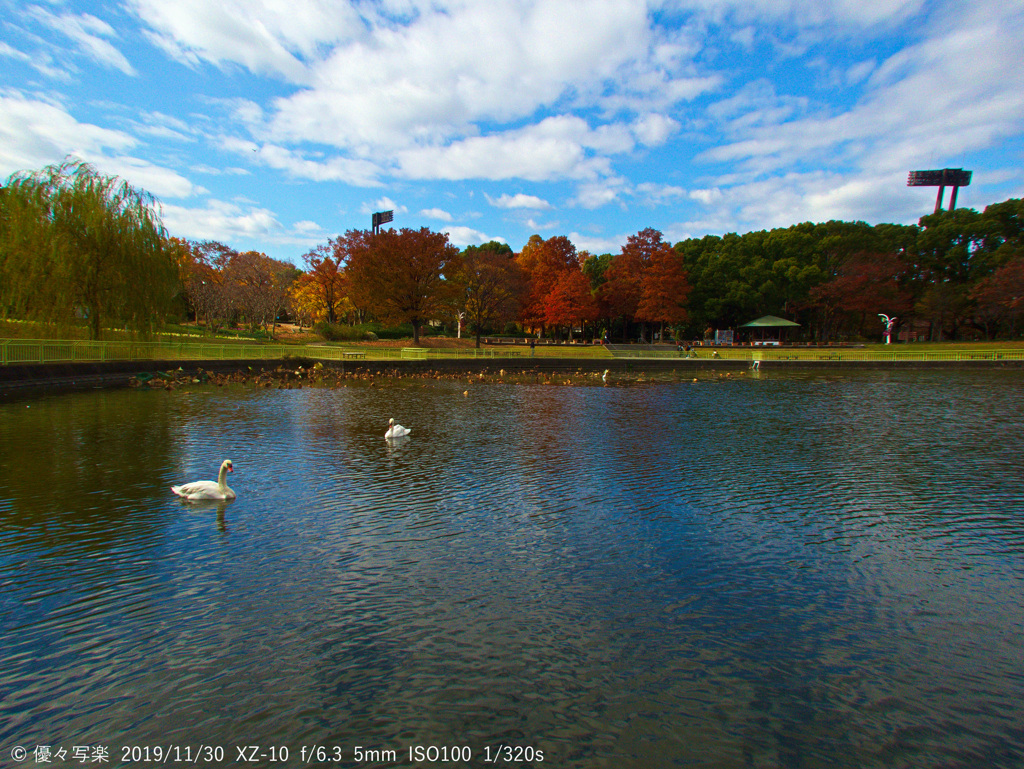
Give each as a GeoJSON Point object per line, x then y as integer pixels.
{"type": "Point", "coordinates": [321, 292]}
{"type": "Point", "coordinates": [405, 276]}
{"type": "Point", "coordinates": [570, 301]}
{"type": "Point", "coordinates": [664, 289]}
{"type": "Point", "coordinates": [646, 282]}
{"type": "Point", "coordinates": [544, 263]}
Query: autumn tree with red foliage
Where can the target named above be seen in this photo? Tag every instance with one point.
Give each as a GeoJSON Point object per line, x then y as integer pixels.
{"type": "Point", "coordinates": [647, 282]}
{"type": "Point", "coordinates": [664, 289]}
{"type": "Point", "coordinates": [570, 301]}
{"type": "Point", "coordinates": [621, 289]}
{"type": "Point", "coordinates": [544, 262]}
{"type": "Point", "coordinates": [865, 285]}
{"type": "Point", "coordinates": [999, 298]}
{"type": "Point", "coordinates": [403, 276]}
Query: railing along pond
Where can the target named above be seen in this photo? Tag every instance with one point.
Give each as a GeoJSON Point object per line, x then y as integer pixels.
{"type": "Point", "coordinates": [827, 354]}
{"type": "Point", "coordinates": [13, 351]}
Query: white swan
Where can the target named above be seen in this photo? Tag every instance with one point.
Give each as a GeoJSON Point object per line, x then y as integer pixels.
{"type": "Point", "coordinates": [396, 431]}
{"type": "Point", "coordinates": [208, 489]}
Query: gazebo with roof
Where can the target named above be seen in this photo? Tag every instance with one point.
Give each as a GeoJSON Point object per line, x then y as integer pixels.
{"type": "Point", "coordinates": [767, 322]}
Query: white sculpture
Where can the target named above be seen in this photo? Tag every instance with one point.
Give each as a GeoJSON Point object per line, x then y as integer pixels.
{"type": "Point", "coordinates": [890, 324]}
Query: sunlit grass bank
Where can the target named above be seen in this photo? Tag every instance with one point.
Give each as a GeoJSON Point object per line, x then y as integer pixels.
{"type": "Point", "coordinates": [16, 347]}
{"type": "Point", "coordinates": [937, 351]}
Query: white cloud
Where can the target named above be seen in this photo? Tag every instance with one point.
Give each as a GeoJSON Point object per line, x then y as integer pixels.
{"type": "Point", "coordinates": [384, 204]}
{"type": "Point", "coordinates": [230, 171]}
{"type": "Point", "coordinates": [86, 30]}
{"type": "Point", "coordinates": [557, 147]}
{"type": "Point", "coordinates": [361, 173]}
{"type": "Point", "coordinates": [374, 84]}
{"type": "Point", "coordinates": [599, 193]}
{"type": "Point", "coordinates": [40, 61]}
{"type": "Point", "coordinates": [519, 200]}
{"type": "Point", "coordinates": [860, 71]}
{"type": "Point", "coordinates": [597, 245]}
{"type": "Point", "coordinates": [393, 86]}
{"type": "Point", "coordinates": [659, 194]}
{"type": "Point", "coordinates": [220, 220]}
{"type": "Point", "coordinates": [847, 14]}
{"type": "Point", "coordinates": [957, 91]}
{"type": "Point", "coordinates": [157, 180]}
{"type": "Point", "coordinates": [536, 226]}
{"type": "Point", "coordinates": [13, 53]}
{"type": "Point", "coordinates": [35, 132]}
{"type": "Point", "coordinates": [757, 104]}
{"type": "Point", "coordinates": [707, 196]}
{"type": "Point", "coordinates": [467, 236]}
{"type": "Point", "coordinates": [653, 129]}
{"type": "Point", "coordinates": [814, 196]}
{"type": "Point", "coordinates": [275, 37]}
{"type": "Point", "coordinates": [437, 213]}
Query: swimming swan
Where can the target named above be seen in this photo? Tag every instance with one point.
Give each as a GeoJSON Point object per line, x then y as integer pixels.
{"type": "Point", "coordinates": [208, 489]}
{"type": "Point", "coordinates": [396, 431]}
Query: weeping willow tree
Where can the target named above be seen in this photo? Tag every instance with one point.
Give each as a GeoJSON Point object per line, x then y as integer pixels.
{"type": "Point", "coordinates": [75, 244]}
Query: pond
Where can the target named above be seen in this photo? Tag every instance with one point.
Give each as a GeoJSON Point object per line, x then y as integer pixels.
{"type": "Point", "coordinates": [800, 570]}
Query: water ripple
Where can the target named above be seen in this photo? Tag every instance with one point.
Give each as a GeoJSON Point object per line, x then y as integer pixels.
{"type": "Point", "coordinates": [808, 570]}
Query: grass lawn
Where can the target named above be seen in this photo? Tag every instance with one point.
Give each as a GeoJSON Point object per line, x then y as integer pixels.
{"type": "Point", "coordinates": [305, 341]}
{"type": "Point", "coordinates": [26, 329]}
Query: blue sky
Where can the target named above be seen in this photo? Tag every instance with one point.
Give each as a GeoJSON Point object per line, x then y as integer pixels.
{"type": "Point", "coordinates": [276, 124]}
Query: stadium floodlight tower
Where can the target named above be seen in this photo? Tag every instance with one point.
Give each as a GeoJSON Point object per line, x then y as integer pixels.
{"type": "Point", "coordinates": [382, 217]}
{"type": "Point", "coordinates": [942, 178]}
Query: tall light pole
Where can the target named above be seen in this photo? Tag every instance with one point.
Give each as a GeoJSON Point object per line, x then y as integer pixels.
{"type": "Point", "coordinates": [382, 217]}
{"type": "Point", "coordinates": [942, 178]}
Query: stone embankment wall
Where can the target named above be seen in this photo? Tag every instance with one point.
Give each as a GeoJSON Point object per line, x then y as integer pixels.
{"type": "Point", "coordinates": [25, 379]}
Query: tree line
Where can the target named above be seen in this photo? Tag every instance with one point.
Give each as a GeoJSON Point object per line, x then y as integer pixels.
{"type": "Point", "coordinates": [78, 246]}
{"type": "Point", "coordinates": [956, 274]}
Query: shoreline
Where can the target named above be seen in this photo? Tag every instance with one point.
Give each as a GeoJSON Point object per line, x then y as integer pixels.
{"type": "Point", "coordinates": [28, 379]}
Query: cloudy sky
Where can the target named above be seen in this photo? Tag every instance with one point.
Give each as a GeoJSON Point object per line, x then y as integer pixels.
{"type": "Point", "coordinates": [276, 124]}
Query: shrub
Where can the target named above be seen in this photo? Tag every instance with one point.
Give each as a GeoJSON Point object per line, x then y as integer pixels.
{"type": "Point", "coordinates": [337, 332]}
{"type": "Point", "coordinates": [403, 331]}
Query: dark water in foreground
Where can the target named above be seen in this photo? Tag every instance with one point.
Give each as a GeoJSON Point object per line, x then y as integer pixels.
{"type": "Point", "coordinates": [801, 571]}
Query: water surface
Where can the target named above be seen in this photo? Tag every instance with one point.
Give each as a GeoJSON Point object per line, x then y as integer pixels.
{"type": "Point", "coordinates": [789, 570]}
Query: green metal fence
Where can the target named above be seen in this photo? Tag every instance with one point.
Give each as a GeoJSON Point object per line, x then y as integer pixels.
{"type": "Point", "coordinates": [814, 355]}
{"type": "Point", "coordinates": [13, 351]}
{"type": "Point", "coordinates": [881, 355]}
